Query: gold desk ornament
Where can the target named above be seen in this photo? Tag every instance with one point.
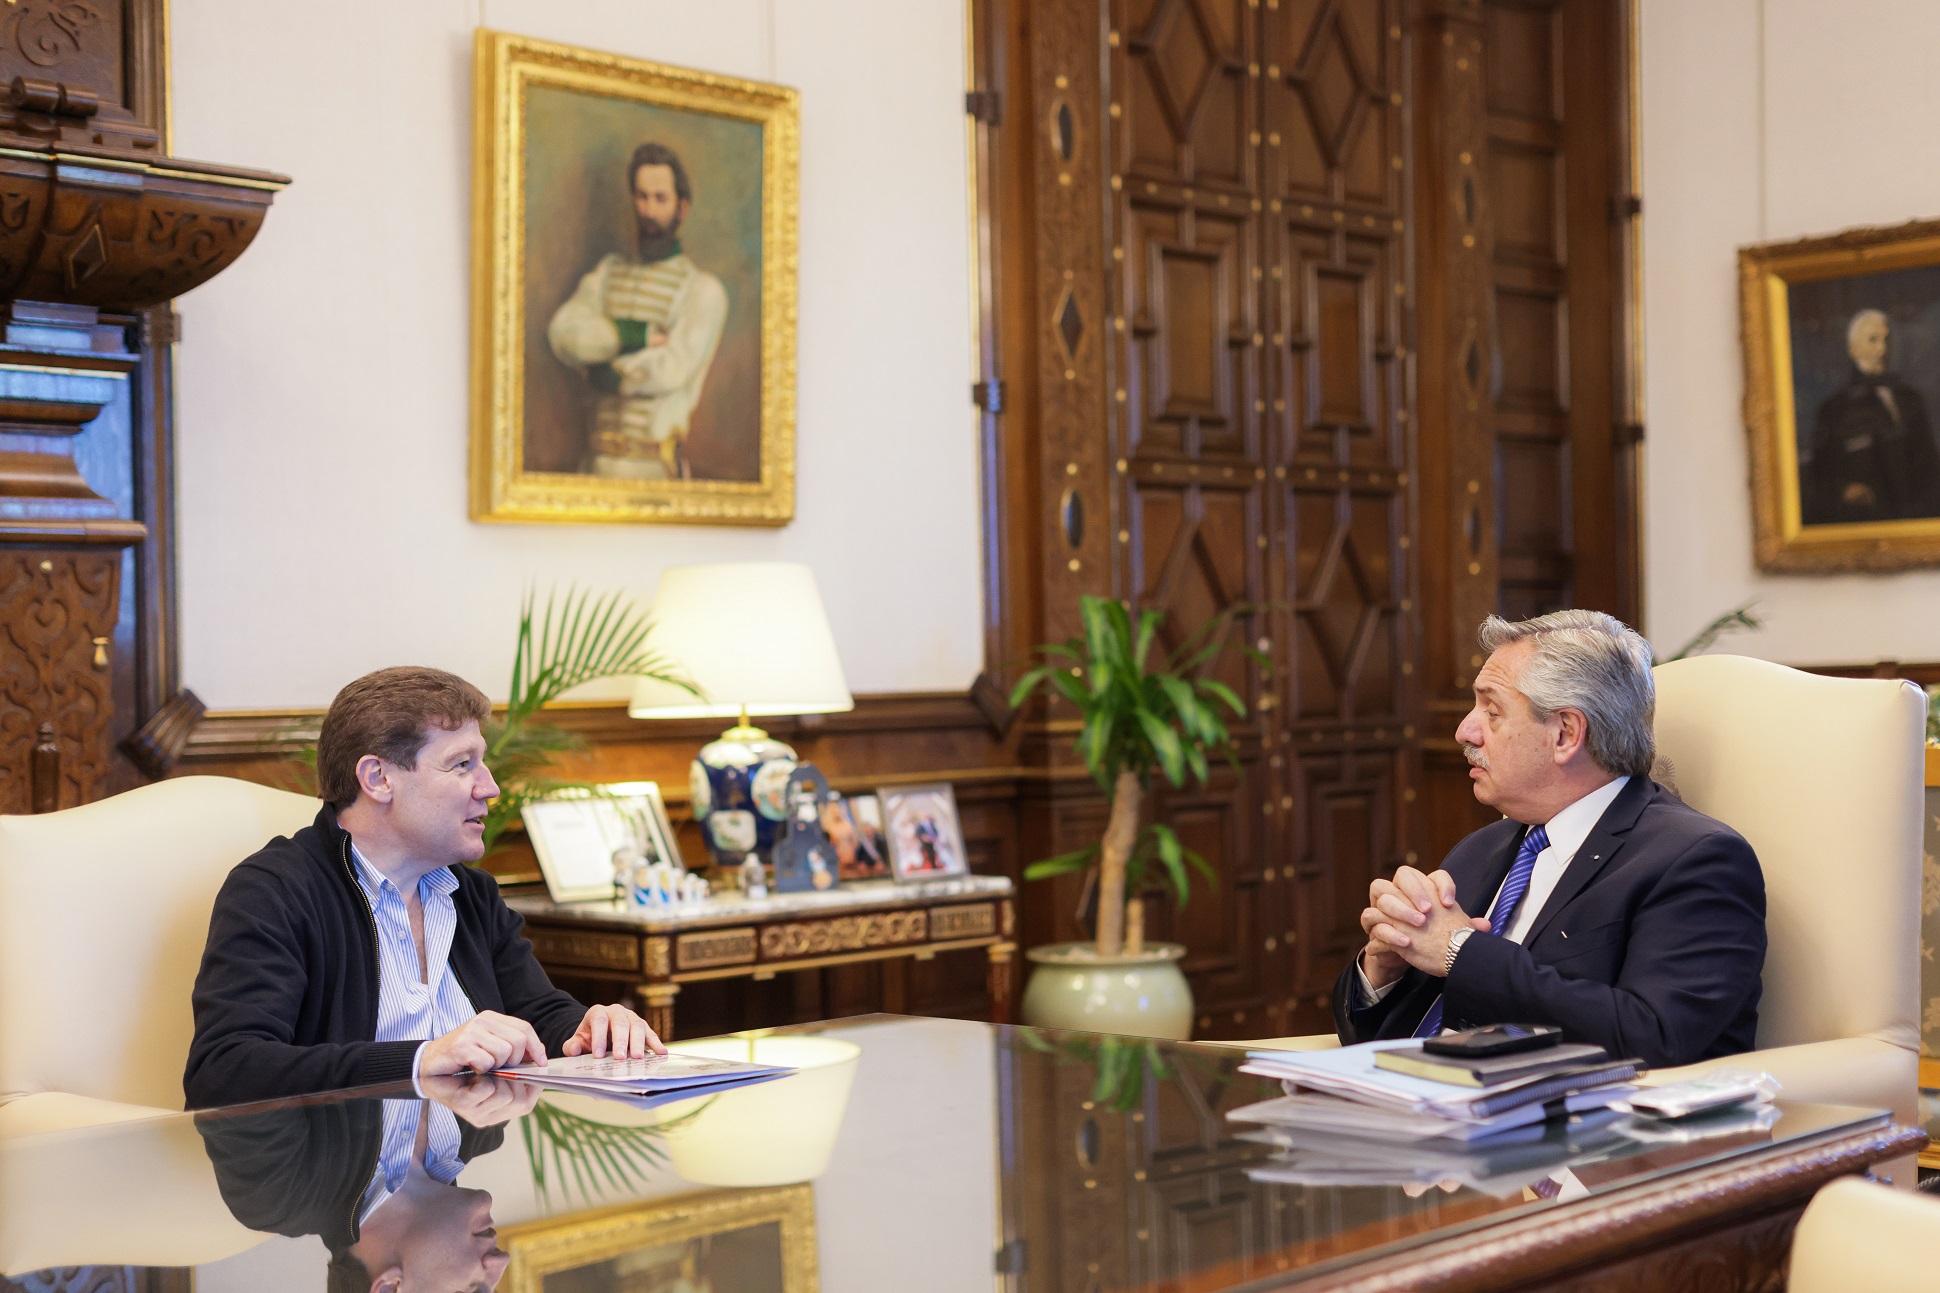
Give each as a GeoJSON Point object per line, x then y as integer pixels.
{"type": "Point", "coordinates": [571, 418]}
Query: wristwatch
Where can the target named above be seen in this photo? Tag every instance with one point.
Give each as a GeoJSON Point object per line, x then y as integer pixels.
{"type": "Point", "coordinates": [1455, 942]}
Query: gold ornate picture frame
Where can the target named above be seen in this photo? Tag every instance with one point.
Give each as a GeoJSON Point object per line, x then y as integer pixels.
{"type": "Point", "coordinates": [1842, 398]}
{"type": "Point", "coordinates": [631, 362]}
{"type": "Point", "coordinates": [760, 1241]}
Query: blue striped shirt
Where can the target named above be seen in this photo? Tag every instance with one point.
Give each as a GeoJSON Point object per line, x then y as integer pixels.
{"type": "Point", "coordinates": [407, 1006]}
{"type": "Point", "coordinates": [398, 1149]}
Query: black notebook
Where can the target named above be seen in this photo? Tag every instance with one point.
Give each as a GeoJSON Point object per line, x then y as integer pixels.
{"type": "Point", "coordinates": [1493, 1070]}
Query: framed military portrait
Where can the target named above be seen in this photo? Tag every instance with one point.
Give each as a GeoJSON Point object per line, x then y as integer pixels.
{"type": "Point", "coordinates": [633, 290]}
{"type": "Point", "coordinates": [1842, 398]}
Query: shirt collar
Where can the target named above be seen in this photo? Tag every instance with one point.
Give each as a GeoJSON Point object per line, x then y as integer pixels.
{"type": "Point", "coordinates": [372, 881]}
{"type": "Point", "coordinates": [1569, 828]}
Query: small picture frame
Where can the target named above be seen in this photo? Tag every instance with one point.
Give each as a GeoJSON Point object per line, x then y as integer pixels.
{"type": "Point", "coordinates": [576, 835]}
{"type": "Point", "coordinates": [924, 834]}
{"type": "Point", "coordinates": [855, 827]}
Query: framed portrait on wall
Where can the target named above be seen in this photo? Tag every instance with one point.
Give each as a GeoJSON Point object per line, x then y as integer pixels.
{"type": "Point", "coordinates": [1842, 398]}
{"type": "Point", "coordinates": [633, 290]}
{"type": "Point", "coordinates": [760, 1241]}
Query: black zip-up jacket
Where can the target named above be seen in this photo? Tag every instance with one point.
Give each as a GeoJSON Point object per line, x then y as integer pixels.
{"type": "Point", "coordinates": [286, 999]}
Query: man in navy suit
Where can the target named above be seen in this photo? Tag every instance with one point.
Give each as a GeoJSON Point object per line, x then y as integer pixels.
{"type": "Point", "coordinates": [1608, 908]}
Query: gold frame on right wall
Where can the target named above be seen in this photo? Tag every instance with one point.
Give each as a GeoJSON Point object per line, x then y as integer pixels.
{"type": "Point", "coordinates": [1768, 275]}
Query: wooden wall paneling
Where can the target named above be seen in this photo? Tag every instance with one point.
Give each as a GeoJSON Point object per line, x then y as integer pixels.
{"type": "Point", "coordinates": [1192, 473]}
{"type": "Point", "coordinates": [1456, 365]}
{"type": "Point", "coordinates": [1529, 427]}
{"type": "Point", "coordinates": [1336, 177]}
{"type": "Point", "coordinates": [60, 606]}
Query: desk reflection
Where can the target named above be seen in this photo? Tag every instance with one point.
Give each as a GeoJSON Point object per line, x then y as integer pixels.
{"type": "Point", "coordinates": [375, 1180]}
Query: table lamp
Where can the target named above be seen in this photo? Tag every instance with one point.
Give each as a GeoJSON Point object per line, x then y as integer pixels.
{"type": "Point", "coordinates": [755, 641]}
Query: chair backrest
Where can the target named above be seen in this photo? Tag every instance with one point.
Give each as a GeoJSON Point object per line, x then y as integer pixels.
{"type": "Point", "coordinates": [104, 910]}
{"type": "Point", "coordinates": [1858, 1235]}
{"type": "Point", "coordinates": [1825, 777]}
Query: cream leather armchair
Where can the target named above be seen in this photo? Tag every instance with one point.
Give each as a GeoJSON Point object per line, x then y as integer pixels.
{"type": "Point", "coordinates": [103, 913]}
{"type": "Point", "coordinates": [1855, 1235]}
{"type": "Point", "coordinates": [1825, 777]}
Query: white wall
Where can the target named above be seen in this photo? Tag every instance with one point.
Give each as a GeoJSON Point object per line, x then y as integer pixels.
{"type": "Point", "coordinates": [323, 378]}
{"type": "Point", "coordinates": [1766, 120]}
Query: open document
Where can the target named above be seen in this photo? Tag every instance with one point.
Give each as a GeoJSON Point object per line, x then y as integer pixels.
{"type": "Point", "coordinates": [655, 1075]}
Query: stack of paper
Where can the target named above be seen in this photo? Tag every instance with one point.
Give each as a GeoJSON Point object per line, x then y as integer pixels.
{"type": "Point", "coordinates": [656, 1075]}
{"type": "Point", "coordinates": [1501, 1165]}
{"type": "Point", "coordinates": [1346, 1092]}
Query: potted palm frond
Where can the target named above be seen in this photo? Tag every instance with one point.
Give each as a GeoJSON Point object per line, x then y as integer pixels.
{"type": "Point", "coordinates": [1139, 716]}
{"type": "Point", "coordinates": [578, 637]}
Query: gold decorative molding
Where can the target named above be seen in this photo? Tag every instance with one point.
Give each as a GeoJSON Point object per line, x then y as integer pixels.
{"type": "Point", "coordinates": [844, 934]}
{"type": "Point", "coordinates": [560, 1244]}
{"type": "Point", "coordinates": [600, 951]}
{"type": "Point", "coordinates": [970, 921]}
{"type": "Point", "coordinates": [659, 960]}
{"type": "Point", "coordinates": [715, 947]}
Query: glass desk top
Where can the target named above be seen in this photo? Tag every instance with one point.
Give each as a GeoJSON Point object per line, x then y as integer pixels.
{"type": "Point", "coordinates": [978, 1156]}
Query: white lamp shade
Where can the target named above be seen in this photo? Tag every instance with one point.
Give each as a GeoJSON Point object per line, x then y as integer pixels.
{"type": "Point", "coordinates": [750, 635]}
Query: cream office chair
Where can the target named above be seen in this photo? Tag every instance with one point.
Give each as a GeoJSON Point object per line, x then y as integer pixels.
{"type": "Point", "coordinates": [1825, 777]}
{"type": "Point", "coordinates": [103, 913]}
{"type": "Point", "coordinates": [1855, 1235]}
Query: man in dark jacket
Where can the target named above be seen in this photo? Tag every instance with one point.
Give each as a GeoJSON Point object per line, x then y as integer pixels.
{"type": "Point", "coordinates": [364, 949]}
{"type": "Point", "coordinates": [1610, 909]}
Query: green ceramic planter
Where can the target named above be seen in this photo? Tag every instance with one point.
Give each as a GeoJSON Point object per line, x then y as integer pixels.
{"type": "Point", "coordinates": [1142, 995]}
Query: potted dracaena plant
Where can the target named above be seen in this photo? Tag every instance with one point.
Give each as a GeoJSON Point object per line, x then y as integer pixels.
{"type": "Point", "coordinates": [1139, 715]}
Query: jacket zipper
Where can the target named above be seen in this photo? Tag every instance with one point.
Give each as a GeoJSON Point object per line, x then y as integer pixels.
{"type": "Point", "coordinates": [376, 952]}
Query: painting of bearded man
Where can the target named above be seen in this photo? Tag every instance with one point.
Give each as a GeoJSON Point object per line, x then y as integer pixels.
{"type": "Point", "coordinates": [644, 329]}
{"type": "Point", "coordinates": [634, 290]}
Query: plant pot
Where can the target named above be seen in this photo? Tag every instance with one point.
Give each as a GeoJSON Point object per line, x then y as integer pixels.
{"type": "Point", "coordinates": [1139, 994]}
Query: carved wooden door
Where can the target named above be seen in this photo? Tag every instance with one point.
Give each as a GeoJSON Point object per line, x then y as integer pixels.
{"type": "Point", "coordinates": [1529, 427]}
{"type": "Point", "coordinates": [1257, 164]}
{"type": "Point", "coordinates": [1322, 299]}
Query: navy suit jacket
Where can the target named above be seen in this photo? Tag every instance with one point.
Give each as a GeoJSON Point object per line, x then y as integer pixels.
{"type": "Point", "coordinates": [1651, 944]}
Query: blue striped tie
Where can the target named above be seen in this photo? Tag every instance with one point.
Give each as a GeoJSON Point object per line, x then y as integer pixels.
{"type": "Point", "coordinates": [1514, 886]}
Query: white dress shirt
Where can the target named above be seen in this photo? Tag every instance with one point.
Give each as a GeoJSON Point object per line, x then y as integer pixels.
{"type": "Point", "coordinates": [1566, 830]}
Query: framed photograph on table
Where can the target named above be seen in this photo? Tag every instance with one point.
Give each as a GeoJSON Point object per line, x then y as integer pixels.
{"type": "Point", "coordinates": [577, 836]}
{"type": "Point", "coordinates": [1842, 398]}
{"type": "Point", "coordinates": [633, 290]}
{"type": "Point", "coordinates": [924, 835]}
{"type": "Point", "coordinates": [751, 1241]}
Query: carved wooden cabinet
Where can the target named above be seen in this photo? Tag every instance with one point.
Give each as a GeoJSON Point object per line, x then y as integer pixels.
{"type": "Point", "coordinates": [99, 228]}
{"type": "Point", "coordinates": [1310, 307]}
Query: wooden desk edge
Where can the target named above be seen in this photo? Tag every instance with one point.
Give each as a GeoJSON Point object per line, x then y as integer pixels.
{"type": "Point", "coordinates": [1647, 1221]}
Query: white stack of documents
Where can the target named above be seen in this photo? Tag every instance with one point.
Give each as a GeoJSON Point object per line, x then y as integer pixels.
{"type": "Point", "coordinates": [1502, 1165]}
{"type": "Point", "coordinates": [1343, 1092]}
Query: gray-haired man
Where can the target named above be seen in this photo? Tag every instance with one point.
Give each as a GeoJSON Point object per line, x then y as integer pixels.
{"type": "Point", "coordinates": [1606, 906]}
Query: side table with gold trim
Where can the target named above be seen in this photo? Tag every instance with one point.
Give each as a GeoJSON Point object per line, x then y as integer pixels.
{"type": "Point", "coordinates": [729, 937]}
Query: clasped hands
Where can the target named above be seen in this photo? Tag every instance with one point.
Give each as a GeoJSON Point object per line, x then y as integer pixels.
{"type": "Point", "coordinates": [1408, 921]}
{"type": "Point", "coordinates": [490, 1040]}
